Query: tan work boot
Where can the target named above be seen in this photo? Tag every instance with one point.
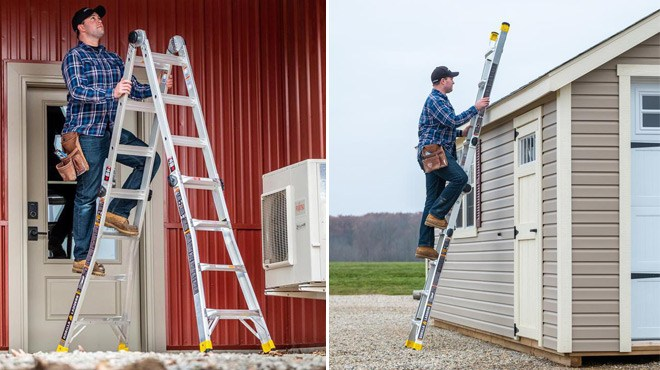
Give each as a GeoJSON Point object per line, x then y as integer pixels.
{"type": "Point", "coordinates": [426, 252]}
{"type": "Point", "coordinates": [120, 224]}
{"type": "Point", "coordinates": [438, 223]}
{"type": "Point", "coordinates": [78, 266]}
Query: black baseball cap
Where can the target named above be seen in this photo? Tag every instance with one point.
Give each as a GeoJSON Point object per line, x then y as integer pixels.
{"type": "Point", "coordinates": [442, 72]}
{"type": "Point", "coordinates": [85, 13]}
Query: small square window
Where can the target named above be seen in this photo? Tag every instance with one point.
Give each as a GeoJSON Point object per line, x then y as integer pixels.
{"type": "Point", "coordinates": [527, 149]}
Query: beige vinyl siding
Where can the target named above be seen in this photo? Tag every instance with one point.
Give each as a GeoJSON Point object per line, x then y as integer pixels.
{"type": "Point", "coordinates": [476, 286]}
{"type": "Point", "coordinates": [549, 209]}
{"type": "Point", "coordinates": [595, 187]}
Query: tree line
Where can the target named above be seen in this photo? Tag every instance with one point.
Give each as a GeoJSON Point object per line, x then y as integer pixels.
{"type": "Point", "coordinates": [374, 237]}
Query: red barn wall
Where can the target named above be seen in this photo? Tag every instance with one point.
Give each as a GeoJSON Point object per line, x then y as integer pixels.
{"type": "Point", "coordinates": [260, 72]}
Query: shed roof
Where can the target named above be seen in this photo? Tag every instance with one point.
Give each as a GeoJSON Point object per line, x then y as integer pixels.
{"type": "Point", "coordinates": [575, 68]}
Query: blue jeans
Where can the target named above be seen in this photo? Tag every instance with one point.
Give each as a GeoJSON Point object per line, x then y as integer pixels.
{"type": "Point", "coordinates": [440, 197]}
{"type": "Point", "coordinates": [96, 150]}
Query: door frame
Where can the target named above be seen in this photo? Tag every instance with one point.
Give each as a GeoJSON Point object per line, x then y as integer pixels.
{"type": "Point", "coordinates": [520, 121]}
{"type": "Point", "coordinates": [626, 73]}
{"type": "Point", "coordinates": [20, 76]}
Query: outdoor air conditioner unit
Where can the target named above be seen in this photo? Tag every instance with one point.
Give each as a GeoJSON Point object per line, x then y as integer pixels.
{"type": "Point", "coordinates": [294, 240]}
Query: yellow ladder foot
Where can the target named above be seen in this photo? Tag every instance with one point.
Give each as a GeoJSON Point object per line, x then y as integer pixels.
{"type": "Point", "coordinates": [205, 346]}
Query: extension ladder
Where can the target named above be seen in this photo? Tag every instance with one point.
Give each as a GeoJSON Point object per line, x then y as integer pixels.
{"type": "Point", "coordinates": [423, 313]}
{"type": "Point", "coordinates": [207, 318]}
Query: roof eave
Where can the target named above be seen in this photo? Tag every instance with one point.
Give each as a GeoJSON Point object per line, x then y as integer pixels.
{"type": "Point", "coordinates": [575, 68]}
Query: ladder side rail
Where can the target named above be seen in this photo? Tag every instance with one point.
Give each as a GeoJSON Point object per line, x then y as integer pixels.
{"type": "Point", "coordinates": [246, 285]}
{"type": "Point", "coordinates": [153, 142]}
{"type": "Point", "coordinates": [122, 329]}
{"type": "Point", "coordinates": [202, 133]}
{"type": "Point", "coordinates": [486, 84]}
{"type": "Point", "coordinates": [129, 285]}
{"type": "Point", "coordinates": [101, 209]}
{"type": "Point", "coordinates": [481, 92]}
{"type": "Point", "coordinates": [473, 120]}
{"type": "Point", "coordinates": [181, 199]}
{"type": "Point", "coordinates": [219, 199]}
{"type": "Point", "coordinates": [146, 177]}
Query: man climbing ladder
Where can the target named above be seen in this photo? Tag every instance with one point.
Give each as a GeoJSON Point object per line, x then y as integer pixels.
{"type": "Point", "coordinates": [431, 155]}
{"type": "Point", "coordinates": [207, 318]}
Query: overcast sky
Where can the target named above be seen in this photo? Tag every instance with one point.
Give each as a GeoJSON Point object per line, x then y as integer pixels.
{"type": "Point", "coordinates": [381, 54]}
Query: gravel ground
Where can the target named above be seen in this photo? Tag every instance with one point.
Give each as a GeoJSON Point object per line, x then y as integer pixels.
{"type": "Point", "coordinates": [156, 361]}
{"type": "Point", "coordinates": [369, 332]}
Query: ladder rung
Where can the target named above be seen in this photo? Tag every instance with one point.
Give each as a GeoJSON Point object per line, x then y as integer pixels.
{"type": "Point", "coordinates": [200, 182]}
{"type": "Point", "coordinates": [139, 62]}
{"type": "Point", "coordinates": [102, 320]}
{"type": "Point", "coordinates": [179, 100]}
{"type": "Point", "coordinates": [135, 194]}
{"type": "Point", "coordinates": [209, 225]}
{"type": "Point", "coordinates": [227, 268]}
{"type": "Point", "coordinates": [142, 151]}
{"type": "Point", "coordinates": [193, 142]}
{"type": "Point", "coordinates": [140, 106]}
{"type": "Point", "coordinates": [231, 314]}
{"type": "Point", "coordinates": [109, 233]}
{"type": "Point", "coordinates": [121, 277]}
{"type": "Point", "coordinates": [168, 59]}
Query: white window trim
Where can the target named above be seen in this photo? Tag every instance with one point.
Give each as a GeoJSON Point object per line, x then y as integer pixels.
{"type": "Point", "coordinates": [471, 231]}
{"type": "Point", "coordinates": [625, 73]}
{"type": "Point", "coordinates": [465, 232]}
{"type": "Point", "coordinates": [641, 129]}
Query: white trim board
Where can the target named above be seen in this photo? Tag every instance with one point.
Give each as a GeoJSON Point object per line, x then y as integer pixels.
{"type": "Point", "coordinates": [20, 77]}
{"type": "Point", "coordinates": [564, 222]}
{"type": "Point", "coordinates": [625, 73]}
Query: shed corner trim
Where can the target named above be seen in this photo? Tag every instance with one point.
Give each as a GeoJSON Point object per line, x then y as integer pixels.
{"type": "Point", "coordinates": [564, 222]}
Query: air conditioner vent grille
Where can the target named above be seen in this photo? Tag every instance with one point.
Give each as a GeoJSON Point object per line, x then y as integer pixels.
{"type": "Point", "coordinates": [275, 227]}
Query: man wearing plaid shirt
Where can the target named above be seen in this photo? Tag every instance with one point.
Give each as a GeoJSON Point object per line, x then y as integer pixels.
{"type": "Point", "coordinates": [438, 124]}
{"type": "Point", "coordinates": [93, 76]}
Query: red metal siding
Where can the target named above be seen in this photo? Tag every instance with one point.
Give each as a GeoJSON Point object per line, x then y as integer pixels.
{"type": "Point", "coordinates": [260, 72]}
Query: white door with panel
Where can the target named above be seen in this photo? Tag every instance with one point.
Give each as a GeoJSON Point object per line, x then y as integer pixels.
{"type": "Point", "coordinates": [645, 212]}
{"type": "Point", "coordinates": [527, 208]}
{"type": "Point", "coordinates": [51, 283]}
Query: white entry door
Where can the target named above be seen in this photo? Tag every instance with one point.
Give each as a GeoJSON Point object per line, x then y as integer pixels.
{"type": "Point", "coordinates": [645, 213]}
{"type": "Point", "coordinates": [51, 283]}
{"type": "Point", "coordinates": [527, 207]}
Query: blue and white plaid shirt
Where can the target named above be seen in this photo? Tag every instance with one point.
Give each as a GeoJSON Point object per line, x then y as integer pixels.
{"type": "Point", "coordinates": [91, 75]}
{"type": "Point", "coordinates": [438, 123]}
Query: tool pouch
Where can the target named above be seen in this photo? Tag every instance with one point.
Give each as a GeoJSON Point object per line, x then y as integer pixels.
{"type": "Point", "coordinates": [433, 157]}
{"type": "Point", "coordinates": [75, 163]}
{"type": "Point", "coordinates": [66, 170]}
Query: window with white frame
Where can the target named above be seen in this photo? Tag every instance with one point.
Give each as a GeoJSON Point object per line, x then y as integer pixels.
{"type": "Point", "coordinates": [649, 110]}
{"type": "Point", "coordinates": [466, 214]}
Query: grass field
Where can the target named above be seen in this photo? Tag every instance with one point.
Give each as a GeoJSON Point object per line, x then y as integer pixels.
{"type": "Point", "coordinates": [389, 278]}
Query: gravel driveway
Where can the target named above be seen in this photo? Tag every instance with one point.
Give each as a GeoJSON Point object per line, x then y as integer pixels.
{"type": "Point", "coordinates": [161, 361]}
{"type": "Point", "coordinates": [369, 332]}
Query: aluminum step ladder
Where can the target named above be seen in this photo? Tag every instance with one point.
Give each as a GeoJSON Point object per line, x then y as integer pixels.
{"type": "Point", "coordinates": [207, 318]}
{"type": "Point", "coordinates": [423, 313]}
